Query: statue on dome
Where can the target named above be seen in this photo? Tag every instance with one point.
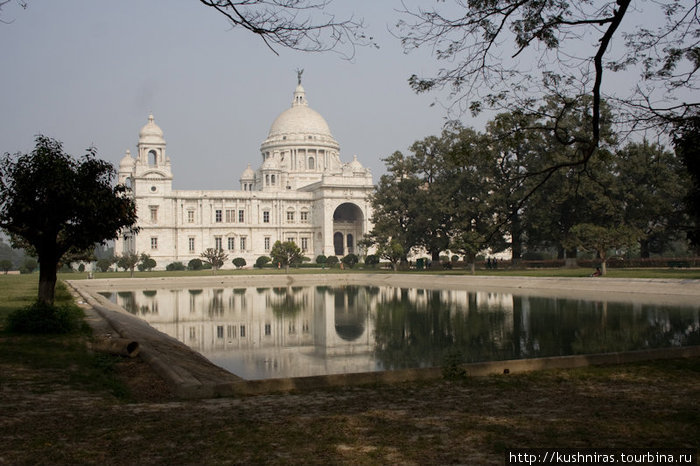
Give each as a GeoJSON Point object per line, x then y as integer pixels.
{"type": "Point", "coordinates": [299, 73]}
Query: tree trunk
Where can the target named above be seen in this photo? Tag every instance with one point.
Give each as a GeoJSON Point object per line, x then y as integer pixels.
{"type": "Point", "coordinates": [47, 282]}
{"type": "Point", "coordinates": [435, 256]}
{"type": "Point", "coordinates": [644, 249]}
{"type": "Point", "coordinates": [516, 242]}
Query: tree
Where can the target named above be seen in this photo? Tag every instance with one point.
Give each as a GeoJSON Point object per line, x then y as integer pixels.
{"type": "Point", "coordinates": [239, 262]}
{"type": "Point", "coordinates": [331, 261]}
{"type": "Point", "coordinates": [55, 204]}
{"type": "Point", "coordinates": [392, 251]}
{"type": "Point", "coordinates": [146, 263]}
{"type": "Point", "coordinates": [601, 239]}
{"type": "Point", "coordinates": [651, 184]}
{"type": "Point", "coordinates": [686, 140]}
{"type": "Point", "coordinates": [321, 260]}
{"type": "Point", "coordinates": [511, 53]}
{"type": "Point", "coordinates": [5, 265]}
{"type": "Point", "coordinates": [286, 254]}
{"type": "Point", "coordinates": [104, 264]}
{"type": "Point", "coordinates": [215, 257]}
{"type": "Point", "coordinates": [29, 265]}
{"type": "Point", "coordinates": [291, 24]}
{"type": "Point", "coordinates": [128, 262]}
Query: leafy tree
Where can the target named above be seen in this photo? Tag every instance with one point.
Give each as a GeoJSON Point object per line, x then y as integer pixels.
{"type": "Point", "coordinates": [686, 140]}
{"type": "Point", "coordinates": [128, 262]}
{"type": "Point", "coordinates": [29, 265]}
{"type": "Point", "coordinates": [146, 263]}
{"type": "Point", "coordinates": [651, 184]}
{"type": "Point", "coordinates": [262, 261]}
{"type": "Point", "coordinates": [239, 262]}
{"type": "Point", "coordinates": [54, 204]}
{"type": "Point", "coordinates": [321, 260]}
{"type": "Point", "coordinates": [286, 254]}
{"type": "Point", "coordinates": [5, 265]}
{"type": "Point", "coordinates": [602, 239]}
{"type": "Point", "coordinates": [194, 264]}
{"type": "Point", "coordinates": [104, 264]}
{"type": "Point", "coordinates": [392, 251]}
{"type": "Point", "coordinates": [215, 257]}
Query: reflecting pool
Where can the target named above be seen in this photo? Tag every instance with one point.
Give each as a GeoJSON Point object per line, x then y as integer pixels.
{"type": "Point", "coordinates": [270, 332]}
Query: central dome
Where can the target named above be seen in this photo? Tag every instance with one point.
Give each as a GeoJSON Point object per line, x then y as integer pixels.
{"type": "Point", "coordinates": [299, 119]}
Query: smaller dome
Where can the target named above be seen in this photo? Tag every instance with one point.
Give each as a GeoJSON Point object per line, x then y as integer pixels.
{"type": "Point", "coordinates": [151, 132]}
{"type": "Point", "coordinates": [248, 174]}
{"type": "Point", "coordinates": [356, 165]}
{"type": "Point", "coordinates": [127, 161]}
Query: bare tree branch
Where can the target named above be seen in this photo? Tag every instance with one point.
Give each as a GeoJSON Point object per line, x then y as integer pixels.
{"type": "Point", "coordinates": [296, 24]}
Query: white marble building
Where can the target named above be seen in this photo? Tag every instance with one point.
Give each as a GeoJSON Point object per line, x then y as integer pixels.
{"type": "Point", "coordinates": [302, 192]}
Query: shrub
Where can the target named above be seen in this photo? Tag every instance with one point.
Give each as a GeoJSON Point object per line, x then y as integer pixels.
{"type": "Point", "coordinates": [81, 268]}
{"type": "Point", "coordinates": [372, 260]}
{"type": "Point", "coordinates": [239, 262]}
{"type": "Point", "coordinates": [195, 264]}
{"type": "Point", "coordinates": [331, 261]}
{"type": "Point", "coordinates": [262, 261]}
{"type": "Point", "coordinates": [175, 266]}
{"type": "Point", "coordinates": [321, 259]}
{"type": "Point", "coordinates": [42, 318]}
{"type": "Point", "coordinates": [29, 265]}
{"type": "Point", "coordinates": [350, 260]}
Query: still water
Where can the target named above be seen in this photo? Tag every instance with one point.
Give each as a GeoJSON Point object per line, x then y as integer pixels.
{"type": "Point", "coordinates": [260, 333]}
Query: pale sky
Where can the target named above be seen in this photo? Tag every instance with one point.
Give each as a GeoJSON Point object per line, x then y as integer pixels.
{"type": "Point", "coordinates": [89, 72]}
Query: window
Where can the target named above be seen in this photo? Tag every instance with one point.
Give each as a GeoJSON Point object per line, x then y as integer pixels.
{"type": "Point", "coordinates": [190, 244]}
{"type": "Point", "coordinates": [190, 216]}
{"type": "Point", "coordinates": [231, 243]}
{"type": "Point", "coordinates": [266, 216]}
{"type": "Point", "coordinates": [290, 239]}
{"type": "Point", "coordinates": [242, 330]}
{"type": "Point", "coordinates": [268, 330]}
{"type": "Point", "coordinates": [154, 242]}
{"type": "Point", "coordinates": [290, 216]}
{"type": "Point", "coordinates": [217, 216]}
{"type": "Point", "coordinates": [304, 217]}
{"type": "Point", "coordinates": [305, 244]}
{"type": "Point", "coordinates": [241, 216]}
{"type": "Point", "coordinates": [154, 213]}
{"type": "Point", "coordinates": [217, 243]}
{"type": "Point", "coordinates": [230, 215]}
{"type": "Point", "coordinates": [193, 333]}
{"type": "Point", "coordinates": [229, 332]}
{"type": "Point", "coordinates": [311, 163]}
{"type": "Point", "coordinates": [243, 248]}
{"type": "Point", "coordinates": [267, 243]}
{"type": "Point", "coordinates": [220, 331]}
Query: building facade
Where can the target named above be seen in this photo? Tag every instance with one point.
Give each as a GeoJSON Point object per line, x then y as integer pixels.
{"type": "Point", "coordinates": [302, 192]}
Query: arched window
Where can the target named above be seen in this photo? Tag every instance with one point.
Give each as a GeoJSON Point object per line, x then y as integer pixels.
{"type": "Point", "coordinates": [152, 158]}
{"type": "Point", "coordinates": [312, 163]}
{"type": "Point", "coordinates": [272, 179]}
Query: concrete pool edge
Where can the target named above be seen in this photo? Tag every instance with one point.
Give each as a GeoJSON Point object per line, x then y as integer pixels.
{"type": "Point", "coordinates": [190, 375]}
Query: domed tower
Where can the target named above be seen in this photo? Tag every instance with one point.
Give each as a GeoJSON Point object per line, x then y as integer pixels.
{"type": "Point", "coordinates": [152, 172]}
{"type": "Point", "coordinates": [247, 179]}
{"type": "Point", "coordinates": [126, 169]}
{"type": "Point", "coordinates": [299, 148]}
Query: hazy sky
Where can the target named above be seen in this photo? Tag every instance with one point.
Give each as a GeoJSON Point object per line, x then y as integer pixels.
{"type": "Point", "coordinates": [88, 72]}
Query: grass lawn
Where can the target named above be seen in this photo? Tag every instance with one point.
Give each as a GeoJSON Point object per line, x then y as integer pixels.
{"type": "Point", "coordinates": [61, 404]}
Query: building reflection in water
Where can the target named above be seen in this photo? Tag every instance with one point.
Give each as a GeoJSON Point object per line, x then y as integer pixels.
{"type": "Point", "coordinates": [272, 332]}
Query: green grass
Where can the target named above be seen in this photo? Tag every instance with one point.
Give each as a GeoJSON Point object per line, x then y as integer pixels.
{"type": "Point", "coordinates": [62, 358]}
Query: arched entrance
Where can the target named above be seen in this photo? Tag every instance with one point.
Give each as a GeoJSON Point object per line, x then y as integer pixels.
{"type": "Point", "coordinates": [347, 227]}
